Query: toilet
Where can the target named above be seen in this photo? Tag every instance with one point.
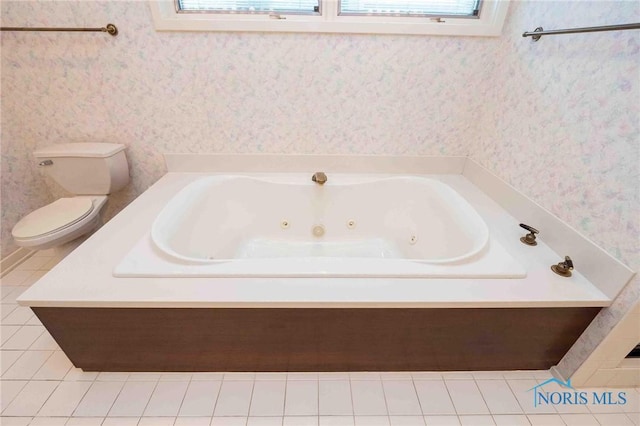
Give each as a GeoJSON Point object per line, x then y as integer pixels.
{"type": "Point", "coordinates": [90, 171]}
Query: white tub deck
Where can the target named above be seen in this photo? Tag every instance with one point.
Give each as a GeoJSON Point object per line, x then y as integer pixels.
{"type": "Point", "coordinates": [85, 277]}
{"type": "Point", "coordinates": [403, 227]}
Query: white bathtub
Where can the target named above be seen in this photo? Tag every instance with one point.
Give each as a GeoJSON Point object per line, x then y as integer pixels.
{"type": "Point", "coordinates": [288, 226]}
{"type": "Point", "coordinates": [218, 219]}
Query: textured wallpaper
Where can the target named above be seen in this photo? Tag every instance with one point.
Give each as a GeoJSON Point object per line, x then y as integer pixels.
{"type": "Point", "coordinates": [562, 124]}
{"type": "Point", "coordinates": [558, 119]}
{"type": "Point", "coordinates": [222, 92]}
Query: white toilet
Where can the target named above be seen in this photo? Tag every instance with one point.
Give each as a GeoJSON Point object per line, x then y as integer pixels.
{"type": "Point", "coordinates": [88, 170]}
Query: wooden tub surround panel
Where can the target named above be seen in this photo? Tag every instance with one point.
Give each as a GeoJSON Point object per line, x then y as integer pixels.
{"type": "Point", "coordinates": [314, 339]}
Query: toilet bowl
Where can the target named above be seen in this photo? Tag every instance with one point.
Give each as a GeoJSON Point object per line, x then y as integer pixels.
{"type": "Point", "coordinates": [88, 170]}
{"type": "Point", "coordinates": [59, 222]}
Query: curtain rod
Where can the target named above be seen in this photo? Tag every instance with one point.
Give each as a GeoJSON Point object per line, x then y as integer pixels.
{"type": "Point", "coordinates": [110, 29]}
{"type": "Point", "coordinates": [539, 32]}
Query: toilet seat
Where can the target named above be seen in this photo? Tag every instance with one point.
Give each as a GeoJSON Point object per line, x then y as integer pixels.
{"type": "Point", "coordinates": [53, 217]}
{"type": "Point", "coordinates": [61, 221]}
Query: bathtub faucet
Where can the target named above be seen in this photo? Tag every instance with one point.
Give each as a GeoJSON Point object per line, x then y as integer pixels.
{"type": "Point", "coordinates": [319, 177]}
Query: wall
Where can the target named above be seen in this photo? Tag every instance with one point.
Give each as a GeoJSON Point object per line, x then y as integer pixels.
{"type": "Point", "coordinates": [222, 92]}
{"type": "Point", "coordinates": [557, 119]}
{"type": "Point", "coordinates": [563, 126]}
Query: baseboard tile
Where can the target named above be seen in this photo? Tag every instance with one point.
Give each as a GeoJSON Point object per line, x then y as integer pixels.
{"type": "Point", "coordinates": [10, 262]}
{"type": "Point", "coordinates": [556, 373]}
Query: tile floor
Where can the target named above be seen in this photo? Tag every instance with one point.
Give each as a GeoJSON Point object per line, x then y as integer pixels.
{"type": "Point", "coordinates": [39, 386]}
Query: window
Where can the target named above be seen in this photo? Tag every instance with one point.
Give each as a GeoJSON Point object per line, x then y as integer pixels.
{"type": "Point", "coordinates": [441, 17]}
{"type": "Point", "coordinates": [249, 6]}
{"type": "Point", "coordinates": [438, 8]}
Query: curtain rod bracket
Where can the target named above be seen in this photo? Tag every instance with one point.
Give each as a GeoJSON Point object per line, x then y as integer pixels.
{"type": "Point", "coordinates": [112, 29]}
{"type": "Point", "coordinates": [536, 37]}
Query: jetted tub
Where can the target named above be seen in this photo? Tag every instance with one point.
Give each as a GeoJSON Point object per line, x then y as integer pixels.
{"type": "Point", "coordinates": [278, 226]}
{"type": "Point", "coordinates": [211, 265]}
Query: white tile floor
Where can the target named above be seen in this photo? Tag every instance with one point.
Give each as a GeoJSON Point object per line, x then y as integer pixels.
{"type": "Point", "coordinates": [39, 386]}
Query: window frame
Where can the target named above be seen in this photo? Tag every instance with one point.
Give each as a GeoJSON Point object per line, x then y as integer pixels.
{"type": "Point", "coordinates": [489, 23]}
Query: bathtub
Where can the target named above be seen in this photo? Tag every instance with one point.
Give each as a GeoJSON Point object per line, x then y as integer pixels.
{"type": "Point", "coordinates": [407, 273]}
{"type": "Point", "coordinates": [289, 226]}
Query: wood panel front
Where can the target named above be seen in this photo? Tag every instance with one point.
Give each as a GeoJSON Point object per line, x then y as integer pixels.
{"type": "Point", "coordinates": [303, 339]}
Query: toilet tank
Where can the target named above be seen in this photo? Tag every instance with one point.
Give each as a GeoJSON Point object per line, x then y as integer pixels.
{"type": "Point", "coordinates": [86, 168]}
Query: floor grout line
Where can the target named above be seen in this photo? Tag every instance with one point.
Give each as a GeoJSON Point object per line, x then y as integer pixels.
{"type": "Point", "coordinates": [482, 395]}
{"type": "Point", "coordinates": [183, 396]}
{"type": "Point", "coordinates": [253, 386]}
{"type": "Point", "coordinates": [384, 397]}
{"type": "Point", "coordinates": [450, 397]}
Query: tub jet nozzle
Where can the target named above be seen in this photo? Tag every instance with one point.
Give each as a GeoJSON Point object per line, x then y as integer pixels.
{"type": "Point", "coordinates": [318, 231]}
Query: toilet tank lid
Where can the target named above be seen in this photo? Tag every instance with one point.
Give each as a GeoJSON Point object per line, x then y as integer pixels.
{"type": "Point", "coordinates": [90, 149]}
